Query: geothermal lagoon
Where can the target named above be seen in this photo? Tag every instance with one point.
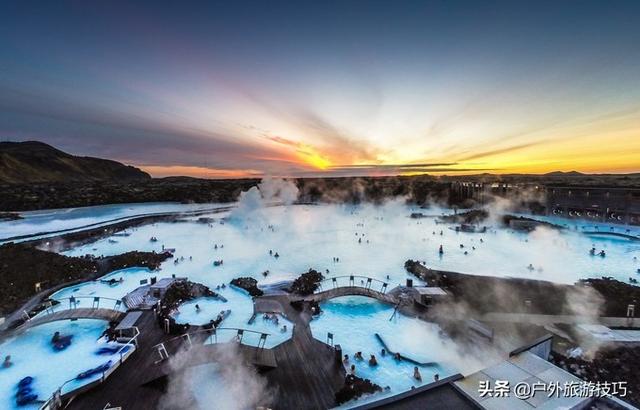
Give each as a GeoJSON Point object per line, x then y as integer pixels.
{"type": "Point", "coordinates": [336, 240]}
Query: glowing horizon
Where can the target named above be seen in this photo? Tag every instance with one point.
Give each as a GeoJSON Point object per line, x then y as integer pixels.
{"type": "Point", "coordinates": [224, 91]}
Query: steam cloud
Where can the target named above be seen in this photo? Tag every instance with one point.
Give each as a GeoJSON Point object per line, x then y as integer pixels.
{"type": "Point", "coordinates": [229, 383]}
{"type": "Point", "coordinates": [270, 191]}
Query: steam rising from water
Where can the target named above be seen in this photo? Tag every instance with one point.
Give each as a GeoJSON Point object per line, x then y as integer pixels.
{"type": "Point", "coordinates": [270, 191]}
{"type": "Point", "coordinates": [229, 383]}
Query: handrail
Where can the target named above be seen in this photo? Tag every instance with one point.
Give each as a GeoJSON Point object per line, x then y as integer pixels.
{"type": "Point", "coordinates": [353, 283]}
{"type": "Point", "coordinates": [55, 401]}
{"type": "Point", "coordinates": [74, 302]}
{"type": "Point", "coordinates": [212, 331]}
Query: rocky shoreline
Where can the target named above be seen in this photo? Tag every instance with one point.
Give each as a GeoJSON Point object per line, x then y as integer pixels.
{"type": "Point", "coordinates": [484, 294]}
{"type": "Point", "coordinates": [28, 272]}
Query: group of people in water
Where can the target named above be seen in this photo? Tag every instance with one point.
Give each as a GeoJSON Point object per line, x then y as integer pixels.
{"type": "Point", "coordinates": [273, 317]}
{"type": "Point", "coordinates": [181, 259]}
{"type": "Point", "coordinates": [274, 254]}
{"type": "Point", "coordinates": [592, 252]}
{"type": "Point", "coordinates": [373, 362]}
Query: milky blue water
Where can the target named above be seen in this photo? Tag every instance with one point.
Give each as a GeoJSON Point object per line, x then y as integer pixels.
{"type": "Point", "coordinates": [32, 355]}
{"type": "Point", "coordinates": [70, 218]}
{"type": "Point", "coordinates": [354, 321]}
{"type": "Point", "coordinates": [368, 240]}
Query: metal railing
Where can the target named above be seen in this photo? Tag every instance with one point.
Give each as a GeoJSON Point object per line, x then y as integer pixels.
{"type": "Point", "coordinates": [55, 401]}
{"type": "Point", "coordinates": [208, 337]}
{"type": "Point", "coordinates": [352, 281]}
{"type": "Point", "coordinates": [75, 302]}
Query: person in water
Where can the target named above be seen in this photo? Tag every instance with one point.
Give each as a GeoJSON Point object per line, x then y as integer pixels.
{"type": "Point", "coordinates": [352, 370]}
{"type": "Point", "coordinates": [7, 362]}
{"type": "Point", "coordinates": [436, 377]}
{"type": "Point", "coordinates": [416, 374]}
{"type": "Point", "coordinates": [397, 356]}
{"type": "Point", "coordinates": [345, 360]}
{"type": "Point", "coordinates": [383, 352]}
{"type": "Point", "coordinates": [55, 338]}
{"type": "Point", "coordinates": [197, 308]}
{"type": "Point", "coordinates": [373, 361]}
{"type": "Point", "coordinates": [358, 356]}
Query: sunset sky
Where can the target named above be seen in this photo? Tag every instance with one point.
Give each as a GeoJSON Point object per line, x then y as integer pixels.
{"type": "Point", "coordinates": [216, 89]}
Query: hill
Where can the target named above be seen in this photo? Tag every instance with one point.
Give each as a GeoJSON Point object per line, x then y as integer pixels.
{"type": "Point", "coordinates": [37, 162]}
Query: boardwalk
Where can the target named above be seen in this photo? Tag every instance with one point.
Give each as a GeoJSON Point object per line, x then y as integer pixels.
{"type": "Point", "coordinates": [124, 386]}
{"type": "Point", "coordinates": [352, 291]}
{"type": "Point", "coordinates": [306, 375]}
{"type": "Point", "coordinates": [109, 315]}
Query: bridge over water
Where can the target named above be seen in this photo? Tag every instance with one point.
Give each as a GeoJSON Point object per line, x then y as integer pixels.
{"type": "Point", "coordinates": [73, 308]}
{"type": "Point", "coordinates": [353, 285]}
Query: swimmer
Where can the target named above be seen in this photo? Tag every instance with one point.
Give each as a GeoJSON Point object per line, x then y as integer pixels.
{"type": "Point", "coordinates": [352, 371]}
{"type": "Point", "coordinates": [284, 329]}
{"type": "Point", "coordinates": [358, 356]}
{"type": "Point", "coordinates": [436, 377]}
{"type": "Point", "coordinates": [397, 356]}
{"type": "Point", "coordinates": [383, 352]}
{"type": "Point", "coordinates": [55, 338]}
{"type": "Point", "coordinates": [197, 308]}
{"type": "Point", "coordinates": [7, 362]}
{"type": "Point", "coordinates": [416, 374]}
{"type": "Point", "coordinates": [530, 267]}
{"type": "Point", "coordinates": [373, 361]}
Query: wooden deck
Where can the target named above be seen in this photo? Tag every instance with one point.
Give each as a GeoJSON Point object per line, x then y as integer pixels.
{"type": "Point", "coordinates": [305, 376]}
{"type": "Point", "coordinates": [124, 387]}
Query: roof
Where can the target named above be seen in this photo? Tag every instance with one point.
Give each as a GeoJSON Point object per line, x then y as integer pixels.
{"type": "Point", "coordinates": [442, 394]}
{"type": "Point", "coordinates": [129, 320]}
{"type": "Point", "coordinates": [431, 291]}
{"type": "Point", "coordinates": [524, 367]}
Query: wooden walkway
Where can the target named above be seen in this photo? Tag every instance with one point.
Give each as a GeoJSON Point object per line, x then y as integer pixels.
{"type": "Point", "coordinates": [352, 291]}
{"type": "Point", "coordinates": [71, 314]}
{"type": "Point", "coordinates": [306, 374]}
{"type": "Point", "coordinates": [124, 386]}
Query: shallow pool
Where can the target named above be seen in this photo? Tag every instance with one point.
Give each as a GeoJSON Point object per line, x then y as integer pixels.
{"type": "Point", "coordinates": [354, 322]}
{"type": "Point", "coordinates": [241, 306]}
{"type": "Point", "coordinates": [32, 355]}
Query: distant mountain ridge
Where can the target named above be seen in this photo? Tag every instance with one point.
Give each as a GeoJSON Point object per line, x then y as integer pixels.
{"type": "Point", "coordinates": [37, 162]}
